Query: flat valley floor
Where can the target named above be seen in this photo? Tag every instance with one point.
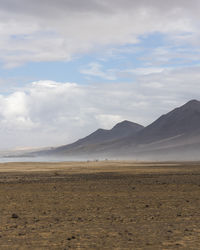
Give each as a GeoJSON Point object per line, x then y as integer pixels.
{"type": "Point", "coordinates": [100, 205]}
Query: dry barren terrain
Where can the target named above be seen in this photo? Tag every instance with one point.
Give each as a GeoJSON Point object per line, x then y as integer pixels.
{"type": "Point", "coordinates": [100, 205]}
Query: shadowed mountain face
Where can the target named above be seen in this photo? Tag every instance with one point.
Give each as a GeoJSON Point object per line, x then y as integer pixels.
{"type": "Point", "coordinates": [121, 130]}
{"type": "Point", "coordinates": [89, 143]}
{"type": "Point", "coordinates": [180, 121]}
{"type": "Point", "coordinates": [175, 133]}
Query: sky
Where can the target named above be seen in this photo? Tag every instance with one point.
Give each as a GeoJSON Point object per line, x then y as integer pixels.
{"type": "Point", "coordinates": [69, 67]}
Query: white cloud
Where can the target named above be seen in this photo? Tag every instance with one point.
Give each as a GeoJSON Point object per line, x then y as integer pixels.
{"type": "Point", "coordinates": [143, 71]}
{"type": "Point", "coordinates": [46, 113]}
{"type": "Point", "coordinates": [159, 57]}
{"type": "Point", "coordinates": [95, 69]}
{"type": "Point", "coordinates": [58, 30]}
{"type": "Point", "coordinates": [53, 113]}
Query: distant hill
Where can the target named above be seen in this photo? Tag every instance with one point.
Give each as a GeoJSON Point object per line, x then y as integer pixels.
{"type": "Point", "coordinates": [175, 135]}
{"type": "Point", "coordinates": [120, 130]}
{"type": "Point", "coordinates": [179, 121]}
{"type": "Point", "coordinates": [172, 134]}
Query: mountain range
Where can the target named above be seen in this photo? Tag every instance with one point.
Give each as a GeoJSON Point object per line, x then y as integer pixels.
{"type": "Point", "coordinates": [173, 136]}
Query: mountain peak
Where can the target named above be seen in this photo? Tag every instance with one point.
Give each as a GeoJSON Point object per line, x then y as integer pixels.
{"type": "Point", "coordinates": [177, 128]}
{"type": "Point", "coordinates": [123, 123]}
{"type": "Point", "coordinates": [127, 124]}
{"type": "Point", "coordinates": [181, 120]}
{"type": "Point", "coordinates": [192, 104]}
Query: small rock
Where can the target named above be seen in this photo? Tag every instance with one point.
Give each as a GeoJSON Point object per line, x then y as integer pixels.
{"type": "Point", "coordinates": [14, 216]}
{"type": "Point", "coordinates": [21, 234]}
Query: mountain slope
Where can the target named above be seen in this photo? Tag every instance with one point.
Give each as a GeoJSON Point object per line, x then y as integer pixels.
{"type": "Point", "coordinates": [182, 120]}
{"type": "Point", "coordinates": [175, 133]}
{"type": "Point", "coordinates": [180, 128]}
{"type": "Point", "coordinates": [98, 138]}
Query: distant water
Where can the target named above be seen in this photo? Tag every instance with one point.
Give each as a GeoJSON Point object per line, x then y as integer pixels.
{"type": "Point", "coordinates": [41, 159]}
{"type": "Point", "coordinates": [33, 159]}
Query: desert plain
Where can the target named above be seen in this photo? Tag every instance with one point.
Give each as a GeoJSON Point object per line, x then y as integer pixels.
{"type": "Point", "coordinates": [100, 205]}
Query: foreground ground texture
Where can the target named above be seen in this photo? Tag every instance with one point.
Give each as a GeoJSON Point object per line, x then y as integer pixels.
{"type": "Point", "coordinates": [100, 205]}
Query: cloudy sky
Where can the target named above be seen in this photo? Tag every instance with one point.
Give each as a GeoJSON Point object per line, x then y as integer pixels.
{"type": "Point", "coordinates": [68, 67]}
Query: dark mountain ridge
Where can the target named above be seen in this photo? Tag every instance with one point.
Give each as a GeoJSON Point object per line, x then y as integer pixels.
{"type": "Point", "coordinates": [177, 131]}
{"type": "Point", "coordinates": [184, 119]}
{"type": "Point", "coordinates": [178, 122]}
{"type": "Point", "coordinates": [100, 136]}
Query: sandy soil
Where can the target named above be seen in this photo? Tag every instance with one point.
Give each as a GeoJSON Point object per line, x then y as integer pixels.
{"type": "Point", "coordinates": [100, 205]}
